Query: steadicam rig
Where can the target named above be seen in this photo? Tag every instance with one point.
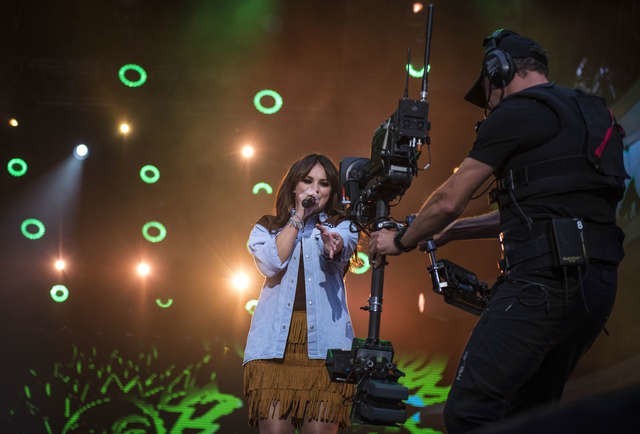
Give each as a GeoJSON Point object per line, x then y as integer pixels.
{"type": "Point", "coordinates": [368, 186]}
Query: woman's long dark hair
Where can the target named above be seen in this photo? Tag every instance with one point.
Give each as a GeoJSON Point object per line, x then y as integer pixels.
{"type": "Point", "coordinates": [285, 200]}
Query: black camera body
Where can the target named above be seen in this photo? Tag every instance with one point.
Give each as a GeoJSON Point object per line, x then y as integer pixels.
{"type": "Point", "coordinates": [379, 398]}
{"type": "Point", "coordinates": [395, 149]}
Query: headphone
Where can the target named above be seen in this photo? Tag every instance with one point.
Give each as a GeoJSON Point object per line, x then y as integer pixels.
{"type": "Point", "coordinates": [498, 65]}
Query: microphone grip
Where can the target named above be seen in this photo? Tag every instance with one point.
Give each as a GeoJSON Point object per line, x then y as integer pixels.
{"type": "Point", "coordinates": [308, 202]}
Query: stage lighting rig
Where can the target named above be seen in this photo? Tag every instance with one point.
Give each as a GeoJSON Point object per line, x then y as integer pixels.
{"type": "Point", "coordinates": [368, 186]}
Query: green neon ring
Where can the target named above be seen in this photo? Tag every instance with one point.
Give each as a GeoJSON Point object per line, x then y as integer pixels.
{"type": "Point", "coordinates": [277, 101]}
{"type": "Point", "coordinates": [59, 293]}
{"type": "Point", "coordinates": [149, 179]}
{"type": "Point", "coordinates": [416, 73]}
{"type": "Point", "coordinates": [133, 67]}
{"type": "Point", "coordinates": [164, 304]}
{"type": "Point", "coordinates": [17, 162]}
{"type": "Point", "coordinates": [262, 186]}
{"type": "Point", "coordinates": [365, 266]}
{"type": "Point", "coordinates": [162, 232]}
{"type": "Point", "coordinates": [250, 306]}
{"type": "Point", "coordinates": [32, 235]}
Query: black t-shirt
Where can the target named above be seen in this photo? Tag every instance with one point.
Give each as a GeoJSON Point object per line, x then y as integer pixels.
{"type": "Point", "coordinates": [517, 125]}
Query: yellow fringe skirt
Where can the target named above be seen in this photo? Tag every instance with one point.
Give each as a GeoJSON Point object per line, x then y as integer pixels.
{"type": "Point", "coordinates": [295, 388]}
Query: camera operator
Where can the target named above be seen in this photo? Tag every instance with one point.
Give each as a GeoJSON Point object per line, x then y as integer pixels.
{"type": "Point", "coordinates": [556, 154]}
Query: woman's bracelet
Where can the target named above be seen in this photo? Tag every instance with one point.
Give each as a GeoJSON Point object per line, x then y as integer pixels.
{"type": "Point", "coordinates": [295, 221]}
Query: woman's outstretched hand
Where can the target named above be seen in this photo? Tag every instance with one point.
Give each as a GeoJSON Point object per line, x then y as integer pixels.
{"type": "Point", "coordinates": [332, 241]}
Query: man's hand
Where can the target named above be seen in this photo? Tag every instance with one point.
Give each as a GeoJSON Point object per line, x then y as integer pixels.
{"type": "Point", "coordinates": [381, 243]}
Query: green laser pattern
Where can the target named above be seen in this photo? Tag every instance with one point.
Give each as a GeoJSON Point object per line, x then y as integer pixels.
{"type": "Point", "coordinates": [128, 396]}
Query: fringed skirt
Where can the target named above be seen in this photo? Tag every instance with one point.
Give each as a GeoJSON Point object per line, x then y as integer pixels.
{"type": "Point", "coordinates": [295, 388]}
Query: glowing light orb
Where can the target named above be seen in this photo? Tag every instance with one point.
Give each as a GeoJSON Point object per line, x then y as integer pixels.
{"type": "Point", "coordinates": [142, 75]}
{"type": "Point", "coordinates": [417, 7]}
{"type": "Point", "coordinates": [149, 174]}
{"type": "Point", "coordinates": [59, 293]}
{"type": "Point", "coordinates": [143, 269]}
{"type": "Point", "coordinates": [262, 186]}
{"type": "Point", "coordinates": [32, 223]}
{"type": "Point", "coordinates": [240, 281]}
{"type": "Point", "coordinates": [17, 167]}
{"type": "Point", "coordinates": [124, 128]}
{"type": "Point", "coordinates": [248, 151]}
{"type": "Point", "coordinates": [81, 152]}
{"type": "Point", "coordinates": [60, 265]}
{"type": "Point", "coordinates": [13, 122]}
{"type": "Point", "coordinates": [277, 101]}
{"type": "Point", "coordinates": [161, 231]}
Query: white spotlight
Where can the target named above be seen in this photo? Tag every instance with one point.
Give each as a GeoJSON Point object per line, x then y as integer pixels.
{"type": "Point", "coordinates": [60, 265]}
{"type": "Point", "coordinates": [240, 281]}
{"type": "Point", "coordinates": [248, 151]}
{"type": "Point", "coordinates": [124, 128]}
{"type": "Point", "coordinates": [143, 269]}
{"type": "Point", "coordinates": [81, 152]}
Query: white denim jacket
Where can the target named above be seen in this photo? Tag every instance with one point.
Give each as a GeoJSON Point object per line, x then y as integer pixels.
{"type": "Point", "coordinates": [328, 320]}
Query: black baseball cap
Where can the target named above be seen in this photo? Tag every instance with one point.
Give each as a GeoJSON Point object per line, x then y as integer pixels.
{"type": "Point", "coordinates": [518, 47]}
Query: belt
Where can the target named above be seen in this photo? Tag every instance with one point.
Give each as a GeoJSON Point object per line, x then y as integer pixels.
{"type": "Point", "coordinates": [535, 249]}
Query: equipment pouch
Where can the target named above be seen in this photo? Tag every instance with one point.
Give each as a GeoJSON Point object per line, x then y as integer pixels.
{"type": "Point", "coordinates": [569, 244]}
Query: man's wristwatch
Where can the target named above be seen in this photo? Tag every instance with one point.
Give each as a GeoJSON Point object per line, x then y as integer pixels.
{"type": "Point", "coordinates": [398, 243]}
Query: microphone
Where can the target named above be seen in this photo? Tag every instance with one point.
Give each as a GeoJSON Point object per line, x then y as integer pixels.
{"type": "Point", "coordinates": [308, 201]}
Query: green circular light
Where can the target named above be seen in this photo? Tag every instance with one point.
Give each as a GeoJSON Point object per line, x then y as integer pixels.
{"type": "Point", "coordinates": [162, 232]}
{"type": "Point", "coordinates": [17, 167]}
{"type": "Point", "coordinates": [40, 229]}
{"type": "Point", "coordinates": [132, 67]}
{"type": "Point", "coordinates": [59, 293]}
{"type": "Point", "coordinates": [416, 73]}
{"type": "Point", "coordinates": [277, 101]}
{"type": "Point", "coordinates": [149, 174]}
{"type": "Point", "coordinates": [250, 306]}
{"type": "Point", "coordinates": [164, 304]}
{"type": "Point", "coordinates": [365, 264]}
{"type": "Point", "coordinates": [262, 186]}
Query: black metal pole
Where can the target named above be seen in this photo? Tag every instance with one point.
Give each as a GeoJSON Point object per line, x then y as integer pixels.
{"type": "Point", "coordinates": [377, 280]}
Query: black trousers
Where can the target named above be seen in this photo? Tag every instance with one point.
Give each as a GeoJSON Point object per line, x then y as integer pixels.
{"type": "Point", "coordinates": [527, 342]}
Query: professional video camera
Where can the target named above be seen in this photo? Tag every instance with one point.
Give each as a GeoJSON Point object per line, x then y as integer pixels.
{"type": "Point", "coordinates": [369, 185]}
